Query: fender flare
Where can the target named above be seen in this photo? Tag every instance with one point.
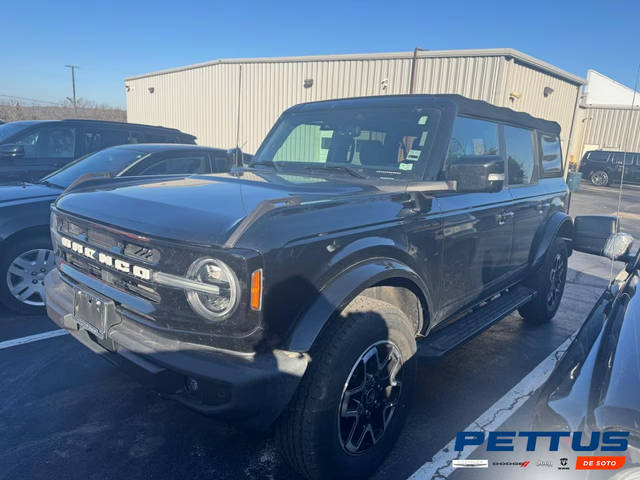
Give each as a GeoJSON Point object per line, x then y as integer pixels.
{"type": "Point", "coordinates": [341, 290]}
{"type": "Point", "coordinates": [28, 217]}
{"type": "Point", "coordinates": [546, 235]}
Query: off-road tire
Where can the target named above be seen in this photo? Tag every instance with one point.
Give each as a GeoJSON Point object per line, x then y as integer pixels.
{"type": "Point", "coordinates": [542, 309]}
{"type": "Point", "coordinates": [308, 433]}
{"type": "Point", "coordinates": [7, 256]}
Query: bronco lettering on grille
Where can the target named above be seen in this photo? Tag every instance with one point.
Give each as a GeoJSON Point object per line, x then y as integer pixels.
{"type": "Point", "coordinates": [105, 259]}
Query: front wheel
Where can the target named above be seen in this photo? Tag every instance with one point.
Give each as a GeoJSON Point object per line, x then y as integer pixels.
{"type": "Point", "coordinates": [548, 282]}
{"type": "Point", "coordinates": [600, 178]}
{"type": "Point", "coordinates": [353, 400]}
{"type": "Point", "coordinates": [23, 266]}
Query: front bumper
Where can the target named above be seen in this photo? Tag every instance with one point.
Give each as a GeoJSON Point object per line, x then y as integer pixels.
{"type": "Point", "coordinates": [249, 389]}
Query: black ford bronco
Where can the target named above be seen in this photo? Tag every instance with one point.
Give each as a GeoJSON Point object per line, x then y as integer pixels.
{"type": "Point", "coordinates": [302, 290]}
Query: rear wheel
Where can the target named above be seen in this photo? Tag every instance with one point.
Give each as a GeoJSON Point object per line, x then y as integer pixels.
{"type": "Point", "coordinates": [549, 283]}
{"type": "Point", "coordinates": [600, 178]}
{"type": "Point", "coordinates": [353, 400]}
{"type": "Point", "coordinates": [23, 266]}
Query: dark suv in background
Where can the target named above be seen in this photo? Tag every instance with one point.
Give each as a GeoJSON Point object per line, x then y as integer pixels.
{"type": "Point", "coordinates": [367, 232]}
{"type": "Point", "coordinates": [603, 167]}
{"type": "Point", "coordinates": [31, 149]}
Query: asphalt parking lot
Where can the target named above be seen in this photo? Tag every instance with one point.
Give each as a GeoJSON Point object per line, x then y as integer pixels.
{"type": "Point", "coordinates": [66, 413]}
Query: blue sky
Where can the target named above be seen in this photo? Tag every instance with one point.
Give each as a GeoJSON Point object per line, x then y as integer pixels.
{"type": "Point", "coordinates": [115, 39]}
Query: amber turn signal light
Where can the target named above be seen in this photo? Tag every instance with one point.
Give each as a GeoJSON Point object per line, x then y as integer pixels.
{"type": "Point", "coordinates": [256, 290]}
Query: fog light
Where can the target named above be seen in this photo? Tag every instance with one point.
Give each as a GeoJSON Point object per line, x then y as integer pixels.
{"type": "Point", "coordinates": [192, 385]}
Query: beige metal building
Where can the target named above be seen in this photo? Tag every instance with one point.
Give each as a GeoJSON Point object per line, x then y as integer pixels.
{"type": "Point", "coordinates": [610, 127]}
{"type": "Point", "coordinates": [236, 101]}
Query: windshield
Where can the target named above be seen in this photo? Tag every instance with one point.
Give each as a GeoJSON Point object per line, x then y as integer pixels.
{"type": "Point", "coordinates": [9, 129]}
{"type": "Point", "coordinates": [372, 142]}
{"type": "Point", "coordinates": [112, 160]}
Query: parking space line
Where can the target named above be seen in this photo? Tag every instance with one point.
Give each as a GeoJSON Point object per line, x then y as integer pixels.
{"type": "Point", "coordinates": [440, 465]}
{"type": "Point", "coordinates": [32, 338]}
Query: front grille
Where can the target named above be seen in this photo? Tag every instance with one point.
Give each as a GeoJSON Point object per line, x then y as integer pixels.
{"type": "Point", "coordinates": [101, 239]}
{"type": "Point", "coordinates": [118, 280]}
{"type": "Point", "coordinates": [145, 254]}
{"type": "Point", "coordinates": [108, 243]}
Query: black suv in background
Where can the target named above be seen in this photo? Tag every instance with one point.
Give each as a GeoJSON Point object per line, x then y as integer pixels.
{"type": "Point", "coordinates": [366, 232]}
{"type": "Point", "coordinates": [603, 167]}
{"type": "Point", "coordinates": [31, 149]}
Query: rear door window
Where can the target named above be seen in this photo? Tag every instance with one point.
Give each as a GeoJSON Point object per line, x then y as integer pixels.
{"type": "Point", "coordinates": [136, 136]}
{"type": "Point", "coordinates": [521, 166]}
{"type": "Point", "coordinates": [94, 139]}
{"type": "Point", "coordinates": [551, 155]}
{"type": "Point", "coordinates": [622, 157]}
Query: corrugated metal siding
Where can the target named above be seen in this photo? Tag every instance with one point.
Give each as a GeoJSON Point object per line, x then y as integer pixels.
{"type": "Point", "coordinates": [558, 106]}
{"type": "Point", "coordinates": [270, 88]}
{"type": "Point", "coordinates": [473, 77]}
{"type": "Point", "coordinates": [612, 128]}
{"type": "Point", "coordinates": [204, 101]}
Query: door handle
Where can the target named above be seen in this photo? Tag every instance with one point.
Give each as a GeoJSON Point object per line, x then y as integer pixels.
{"type": "Point", "coordinates": [503, 216]}
{"type": "Point", "coordinates": [542, 206]}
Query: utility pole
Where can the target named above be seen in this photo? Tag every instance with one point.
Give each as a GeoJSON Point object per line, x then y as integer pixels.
{"type": "Point", "coordinates": [73, 83]}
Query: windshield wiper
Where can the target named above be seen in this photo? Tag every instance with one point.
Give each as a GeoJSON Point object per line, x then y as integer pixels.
{"type": "Point", "coordinates": [341, 168]}
{"type": "Point", "coordinates": [268, 164]}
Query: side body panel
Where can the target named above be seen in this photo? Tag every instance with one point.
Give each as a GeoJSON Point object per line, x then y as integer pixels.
{"type": "Point", "coordinates": [323, 269]}
{"type": "Point", "coordinates": [476, 248]}
{"type": "Point", "coordinates": [534, 206]}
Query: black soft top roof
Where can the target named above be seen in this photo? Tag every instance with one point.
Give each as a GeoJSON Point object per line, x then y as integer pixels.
{"type": "Point", "coordinates": [463, 105]}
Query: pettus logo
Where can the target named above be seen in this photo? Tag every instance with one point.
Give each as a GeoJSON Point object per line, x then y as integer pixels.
{"type": "Point", "coordinates": [106, 259]}
{"type": "Point", "coordinates": [505, 441]}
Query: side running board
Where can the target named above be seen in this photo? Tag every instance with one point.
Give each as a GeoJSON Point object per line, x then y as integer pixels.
{"type": "Point", "coordinates": [440, 342]}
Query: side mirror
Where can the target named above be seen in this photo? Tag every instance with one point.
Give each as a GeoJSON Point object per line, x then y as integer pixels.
{"type": "Point", "coordinates": [477, 173]}
{"type": "Point", "coordinates": [599, 235]}
{"type": "Point", "coordinates": [11, 151]}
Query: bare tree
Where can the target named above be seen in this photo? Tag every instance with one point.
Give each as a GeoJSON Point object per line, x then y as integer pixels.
{"type": "Point", "coordinates": [11, 111]}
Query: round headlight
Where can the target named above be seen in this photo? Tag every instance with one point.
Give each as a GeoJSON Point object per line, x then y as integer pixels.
{"type": "Point", "coordinates": [213, 306]}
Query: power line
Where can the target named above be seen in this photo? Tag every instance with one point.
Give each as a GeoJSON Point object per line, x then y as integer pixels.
{"type": "Point", "coordinates": [34, 100]}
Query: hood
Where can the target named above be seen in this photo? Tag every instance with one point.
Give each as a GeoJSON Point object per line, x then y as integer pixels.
{"type": "Point", "coordinates": [201, 209]}
{"type": "Point", "coordinates": [21, 192]}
